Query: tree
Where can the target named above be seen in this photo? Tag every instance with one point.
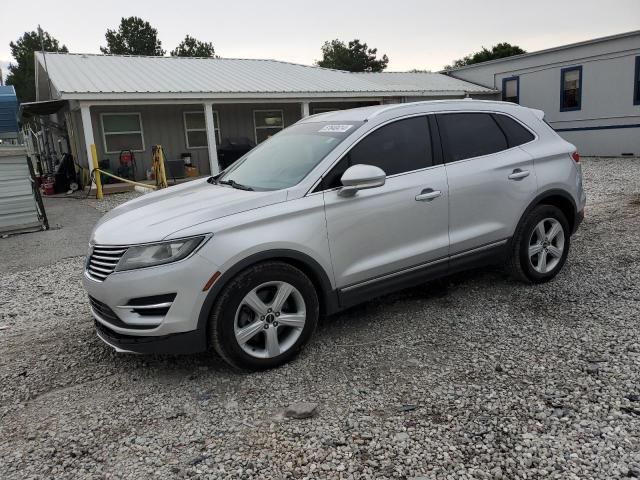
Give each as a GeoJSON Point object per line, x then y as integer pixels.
{"type": "Point", "coordinates": [357, 57]}
{"type": "Point", "coordinates": [500, 50]}
{"type": "Point", "coordinates": [21, 74]}
{"type": "Point", "coordinates": [191, 47]}
{"type": "Point", "coordinates": [134, 36]}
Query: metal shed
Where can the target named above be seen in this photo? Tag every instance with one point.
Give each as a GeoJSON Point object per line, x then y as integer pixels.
{"type": "Point", "coordinates": [21, 207]}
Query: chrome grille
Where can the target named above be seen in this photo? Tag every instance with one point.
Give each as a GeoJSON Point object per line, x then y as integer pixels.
{"type": "Point", "coordinates": [103, 260]}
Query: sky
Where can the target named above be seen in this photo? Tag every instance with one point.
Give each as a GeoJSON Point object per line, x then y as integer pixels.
{"type": "Point", "coordinates": [422, 34]}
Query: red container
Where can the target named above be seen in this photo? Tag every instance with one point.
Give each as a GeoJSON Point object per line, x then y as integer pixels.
{"type": "Point", "coordinates": [49, 188]}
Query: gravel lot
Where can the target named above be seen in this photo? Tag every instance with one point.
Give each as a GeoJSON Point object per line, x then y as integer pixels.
{"type": "Point", "coordinates": [486, 379]}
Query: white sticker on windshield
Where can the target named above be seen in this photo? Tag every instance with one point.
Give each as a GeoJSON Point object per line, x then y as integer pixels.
{"type": "Point", "coordinates": [335, 128]}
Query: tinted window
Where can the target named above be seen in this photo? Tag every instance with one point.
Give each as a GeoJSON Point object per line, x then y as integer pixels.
{"type": "Point", "coordinates": [516, 133]}
{"type": "Point", "coordinates": [399, 147]}
{"type": "Point", "coordinates": [467, 135]}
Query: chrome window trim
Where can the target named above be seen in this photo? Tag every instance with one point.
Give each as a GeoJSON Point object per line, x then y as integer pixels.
{"type": "Point", "coordinates": [310, 191]}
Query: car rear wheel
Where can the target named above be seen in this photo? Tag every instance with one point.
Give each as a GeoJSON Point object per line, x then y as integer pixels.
{"type": "Point", "coordinates": [540, 245]}
{"type": "Point", "coordinates": [264, 316]}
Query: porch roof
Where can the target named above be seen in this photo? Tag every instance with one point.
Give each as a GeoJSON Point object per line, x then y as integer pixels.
{"type": "Point", "coordinates": [108, 77]}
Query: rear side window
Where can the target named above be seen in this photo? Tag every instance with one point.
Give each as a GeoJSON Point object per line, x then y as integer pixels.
{"type": "Point", "coordinates": [398, 147]}
{"type": "Point", "coordinates": [468, 135]}
{"type": "Point", "coordinates": [516, 133]}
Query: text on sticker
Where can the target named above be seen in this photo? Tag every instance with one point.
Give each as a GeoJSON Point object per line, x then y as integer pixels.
{"type": "Point", "coordinates": [335, 128]}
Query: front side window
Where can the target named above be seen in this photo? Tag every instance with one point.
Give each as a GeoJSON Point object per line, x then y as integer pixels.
{"type": "Point", "coordinates": [195, 128]}
{"type": "Point", "coordinates": [571, 89]}
{"type": "Point", "coordinates": [468, 135]}
{"type": "Point", "coordinates": [122, 131]}
{"type": "Point", "coordinates": [511, 89]}
{"type": "Point", "coordinates": [636, 83]}
{"type": "Point", "coordinates": [267, 123]}
{"type": "Point", "coordinates": [399, 147]}
{"type": "Point", "coordinates": [284, 160]}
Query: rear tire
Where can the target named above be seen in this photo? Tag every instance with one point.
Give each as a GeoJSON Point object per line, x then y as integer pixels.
{"type": "Point", "coordinates": [540, 245]}
{"type": "Point", "coordinates": [264, 316]}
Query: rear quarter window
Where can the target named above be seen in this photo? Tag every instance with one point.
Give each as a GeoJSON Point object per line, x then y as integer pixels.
{"type": "Point", "coordinates": [516, 134]}
{"type": "Point", "coordinates": [468, 135]}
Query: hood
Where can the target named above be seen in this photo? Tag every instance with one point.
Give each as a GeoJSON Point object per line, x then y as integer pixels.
{"type": "Point", "coordinates": [154, 216]}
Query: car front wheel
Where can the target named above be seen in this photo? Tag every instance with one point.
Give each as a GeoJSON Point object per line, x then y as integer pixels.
{"type": "Point", "coordinates": [541, 245]}
{"type": "Point", "coordinates": [264, 316]}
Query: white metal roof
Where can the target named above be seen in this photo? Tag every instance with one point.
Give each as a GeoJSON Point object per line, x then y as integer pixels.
{"type": "Point", "coordinates": [86, 76]}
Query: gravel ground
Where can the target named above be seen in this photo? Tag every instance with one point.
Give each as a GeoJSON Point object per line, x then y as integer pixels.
{"type": "Point", "coordinates": [487, 379]}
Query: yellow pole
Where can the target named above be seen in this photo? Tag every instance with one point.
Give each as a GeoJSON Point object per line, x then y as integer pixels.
{"type": "Point", "coordinates": [163, 175]}
{"type": "Point", "coordinates": [94, 158]}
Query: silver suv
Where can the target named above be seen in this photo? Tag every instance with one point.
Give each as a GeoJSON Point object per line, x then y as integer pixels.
{"type": "Point", "coordinates": [332, 211]}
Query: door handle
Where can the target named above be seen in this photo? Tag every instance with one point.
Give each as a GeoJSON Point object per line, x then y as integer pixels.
{"type": "Point", "coordinates": [428, 194]}
{"type": "Point", "coordinates": [518, 174]}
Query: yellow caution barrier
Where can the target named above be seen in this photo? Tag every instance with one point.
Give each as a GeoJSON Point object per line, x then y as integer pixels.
{"type": "Point", "coordinates": [158, 171]}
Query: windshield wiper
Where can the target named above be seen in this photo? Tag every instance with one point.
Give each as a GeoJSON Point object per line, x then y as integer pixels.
{"type": "Point", "coordinates": [234, 184]}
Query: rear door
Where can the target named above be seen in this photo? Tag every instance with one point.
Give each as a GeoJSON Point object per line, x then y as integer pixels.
{"type": "Point", "coordinates": [491, 179]}
{"type": "Point", "coordinates": [389, 229]}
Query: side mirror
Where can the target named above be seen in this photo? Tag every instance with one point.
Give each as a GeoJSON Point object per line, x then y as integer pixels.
{"type": "Point", "coordinates": [361, 177]}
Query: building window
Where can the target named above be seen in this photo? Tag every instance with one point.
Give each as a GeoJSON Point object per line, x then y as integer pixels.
{"type": "Point", "coordinates": [636, 83]}
{"type": "Point", "coordinates": [267, 123]}
{"type": "Point", "coordinates": [195, 129]}
{"type": "Point", "coordinates": [511, 89]}
{"type": "Point", "coordinates": [122, 131]}
{"type": "Point", "coordinates": [570, 89]}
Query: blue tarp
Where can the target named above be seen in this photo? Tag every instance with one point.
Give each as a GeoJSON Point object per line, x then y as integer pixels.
{"type": "Point", "coordinates": [8, 110]}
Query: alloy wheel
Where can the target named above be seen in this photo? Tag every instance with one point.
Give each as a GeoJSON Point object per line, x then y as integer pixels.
{"type": "Point", "coordinates": [546, 245]}
{"type": "Point", "coordinates": [270, 319]}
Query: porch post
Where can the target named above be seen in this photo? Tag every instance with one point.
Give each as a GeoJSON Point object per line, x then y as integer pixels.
{"type": "Point", "coordinates": [87, 128]}
{"type": "Point", "coordinates": [304, 109]}
{"type": "Point", "coordinates": [211, 138]}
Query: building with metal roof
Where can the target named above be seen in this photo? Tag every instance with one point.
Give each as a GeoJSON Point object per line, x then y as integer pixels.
{"type": "Point", "coordinates": [206, 107]}
{"type": "Point", "coordinates": [589, 91]}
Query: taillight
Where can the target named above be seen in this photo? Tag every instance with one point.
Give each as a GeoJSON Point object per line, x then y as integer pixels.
{"type": "Point", "coordinates": [576, 156]}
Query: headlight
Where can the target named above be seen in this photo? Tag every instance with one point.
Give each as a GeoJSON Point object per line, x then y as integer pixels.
{"type": "Point", "coordinates": [158, 253]}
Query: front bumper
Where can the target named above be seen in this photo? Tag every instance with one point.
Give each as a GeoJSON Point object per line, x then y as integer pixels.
{"type": "Point", "coordinates": [126, 326]}
{"type": "Point", "coordinates": [178, 343]}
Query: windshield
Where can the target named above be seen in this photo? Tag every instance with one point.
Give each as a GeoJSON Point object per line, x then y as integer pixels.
{"type": "Point", "coordinates": [285, 159]}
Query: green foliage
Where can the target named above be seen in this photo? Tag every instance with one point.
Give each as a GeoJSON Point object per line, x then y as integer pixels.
{"type": "Point", "coordinates": [191, 47]}
{"type": "Point", "coordinates": [134, 36]}
{"type": "Point", "coordinates": [500, 50]}
{"type": "Point", "coordinates": [21, 74]}
{"type": "Point", "coordinates": [356, 57]}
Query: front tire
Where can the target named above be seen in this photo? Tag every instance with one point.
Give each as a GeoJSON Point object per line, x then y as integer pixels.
{"type": "Point", "coordinates": [264, 316]}
{"type": "Point", "coordinates": [540, 245]}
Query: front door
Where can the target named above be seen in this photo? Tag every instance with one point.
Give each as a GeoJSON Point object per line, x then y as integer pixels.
{"type": "Point", "coordinates": [383, 232]}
